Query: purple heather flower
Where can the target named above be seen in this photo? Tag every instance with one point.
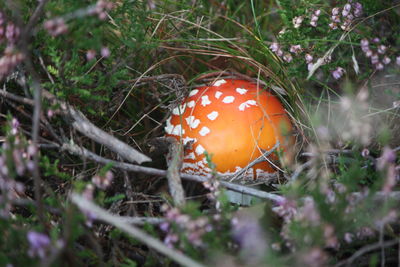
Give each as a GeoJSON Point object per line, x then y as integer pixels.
{"type": "Point", "coordinates": [103, 181]}
{"type": "Point", "coordinates": [39, 244]}
{"type": "Point", "coordinates": [164, 226]}
{"type": "Point", "coordinates": [317, 12]}
{"type": "Point", "coordinates": [388, 157]}
{"type": "Point", "coordinates": [398, 60]}
{"type": "Point", "coordinates": [382, 49]}
{"type": "Point", "coordinates": [333, 26]}
{"type": "Point", "coordinates": [335, 11]}
{"type": "Point", "coordinates": [379, 66]}
{"type": "Point", "coordinates": [14, 126]}
{"type": "Point", "coordinates": [374, 59]}
{"type": "Point", "coordinates": [346, 10]}
{"type": "Point", "coordinates": [288, 57]}
{"type": "Point", "coordinates": [105, 52]}
{"type": "Point", "coordinates": [358, 9]}
{"type": "Point", "coordinates": [365, 232]}
{"type": "Point", "coordinates": [310, 66]}
{"type": "Point", "coordinates": [346, 24]}
{"type": "Point", "coordinates": [386, 60]}
{"type": "Point", "coordinates": [350, 17]}
{"type": "Point", "coordinates": [368, 53]}
{"type": "Point", "coordinates": [274, 47]}
{"type": "Point", "coordinates": [376, 40]}
{"type": "Point", "coordinates": [338, 73]}
{"type": "Point", "coordinates": [348, 237]}
{"type": "Point", "coordinates": [50, 113]}
{"type": "Point", "coordinates": [56, 27]}
{"type": "Point", "coordinates": [313, 23]}
{"type": "Point", "coordinates": [308, 58]}
{"type": "Point", "coordinates": [297, 21]}
{"type": "Point", "coordinates": [335, 19]}
{"type": "Point", "coordinates": [295, 49]}
{"type": "Point", "coordinates": [90, 54]}
{"type": "Point", "coordinates": [248, 233]}
{"type": "Point", "coordinates": [364, 43]}
{"type": "Point", "coordinates": [12, 32]}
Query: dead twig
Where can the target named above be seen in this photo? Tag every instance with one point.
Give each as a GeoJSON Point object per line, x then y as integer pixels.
{"type": "Point", "coordinates": [83, 125]}
{"type": "Point", "coordinates": [175, 159]}
{"type": "Point", "coordinates": [136, 233]}
{"type": "Point", "coordinates": [366, 249]}
{"type": "Point", "coordinates": [82, 152]}
{"type": "Point", "coordinates": [260, 159]}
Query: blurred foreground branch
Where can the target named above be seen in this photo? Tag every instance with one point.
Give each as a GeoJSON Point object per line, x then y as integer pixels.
{"type": "Point", "coordinates": [136, 233]}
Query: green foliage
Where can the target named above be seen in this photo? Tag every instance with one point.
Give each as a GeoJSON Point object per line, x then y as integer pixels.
{"type": "Point", "coordinates": [328, 210]}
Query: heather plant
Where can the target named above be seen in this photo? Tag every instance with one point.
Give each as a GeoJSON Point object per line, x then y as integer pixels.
{"type": "Point", "coordinates": [87, 86]}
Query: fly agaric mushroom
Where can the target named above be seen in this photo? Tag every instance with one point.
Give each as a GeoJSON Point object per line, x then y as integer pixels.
{"type": "Point", "coordinates": [234, 121]}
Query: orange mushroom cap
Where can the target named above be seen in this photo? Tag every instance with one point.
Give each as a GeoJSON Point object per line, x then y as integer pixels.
{"type": "Point", "coordinates": [234, 121]}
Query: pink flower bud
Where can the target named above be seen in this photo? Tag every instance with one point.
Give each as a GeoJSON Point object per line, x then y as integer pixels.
{"type": "Point", "coordinates": [308, 58]}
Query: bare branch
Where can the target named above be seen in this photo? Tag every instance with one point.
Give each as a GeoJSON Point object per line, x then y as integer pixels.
{"type": "Point", "coordinates": [136, 233]}
{"type": "Point", "coordinates": [260, 159]}
{"type": "Point", "coordinates": [175, 159]}
{"type": "Point", "coordinates": [366, 249]}
{"type": "Point", "coordinates": [83, 125]}
{"type": "Point", "coordinates": [82, 152]}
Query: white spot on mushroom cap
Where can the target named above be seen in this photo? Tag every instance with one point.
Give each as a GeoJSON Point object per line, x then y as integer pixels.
{"type": "Point", "coordinates": [179, 109]}
{"type": "Point", "coordinates": [178, 130]}
{"type": "Point", "coordinates": [188, 139]}
{"type": "Point", "coordinates": [192, 122]}
{"type": "Point", "coordinates": [189, 165]}
{"type": "Point", "coordinates": [191, 104]}
{"type": "Point", "coordinates": [199, 150]}
{"type": "Point", "coordinates": [204, 131]}
{"type": "Point", "coordinates": [247, 104]}
{"type": "Point", "coordinates": [205, 101]}
{"type": "Point", "coordinates": [168, 129]}
{"type": "Point", "coordinates": [219, 82]}
{"type": "Point", "coordinates": [191, 155]}
{"type": "Point", "coordinates": [193, 92]}
{"type": "Point", "coordinates": [228, 99]}
{"type": "Point", "coordinates": [213, 115]}
{"type": "Point", "coordinates": [175, 111]}
{"type": "Point", "coordinates": [218, 94]}
{"type": "Point", "coordinates": [241, 91]}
